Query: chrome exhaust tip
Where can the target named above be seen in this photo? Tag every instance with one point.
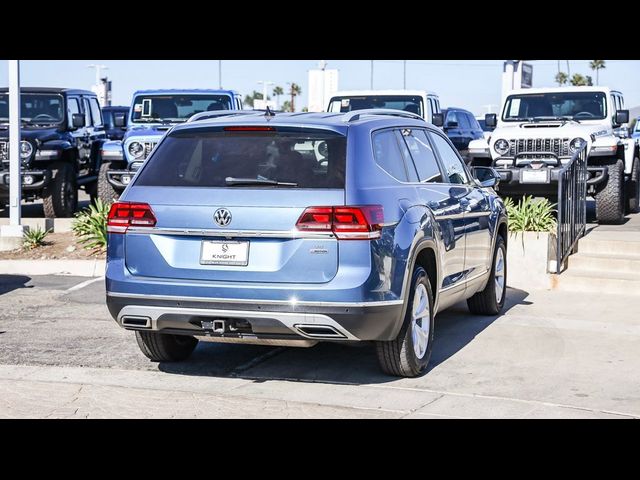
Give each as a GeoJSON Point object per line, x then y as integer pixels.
{"type": "Point", "coordinates": [319, 331]}
{"type": "Point", "coordinates": [130, 321]}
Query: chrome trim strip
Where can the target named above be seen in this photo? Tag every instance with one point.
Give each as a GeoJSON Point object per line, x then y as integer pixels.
{"type": "Point", "coordinates": [464, 281]}
{"type": "Point", "coordinates": [477, 214]}
{"type": "Point", "coordinates": [209, 232]}
{"type": "Point", "coordinates": [384, 303]}
{"type": "Point", "coordinates": [290, 320]}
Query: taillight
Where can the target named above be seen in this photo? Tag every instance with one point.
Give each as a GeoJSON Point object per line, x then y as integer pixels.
{"type": "Point", "coordinates": [347, 223]}
{"type": "Point", "coordinates": [123, 215]}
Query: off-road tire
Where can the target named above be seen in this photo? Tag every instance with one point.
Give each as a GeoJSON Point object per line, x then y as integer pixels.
{"type": "Point", "coordinates": [106, 192]}
{"type": "Point", "coordinates": [60, 196]}
{"type": "Point", "coordinates": [162, 347]}
{"type": "Point", "coordinates": [610, 199]}
{"type": "Point", "coordinates": [485, 301]}
{"type": "Point", "coordinates": [397, 357]}
{"type": "Point", "coordinates": [633, 188]}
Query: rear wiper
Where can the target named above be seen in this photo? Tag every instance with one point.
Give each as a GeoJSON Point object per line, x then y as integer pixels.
{"type": "Point", "coordinates": [233, 181]}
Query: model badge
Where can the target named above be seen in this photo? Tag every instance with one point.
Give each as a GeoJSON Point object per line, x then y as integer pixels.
{"type": "Point", "coordinates": [222, 217]}
{"type": "Point", "coordinates": [318, 250]}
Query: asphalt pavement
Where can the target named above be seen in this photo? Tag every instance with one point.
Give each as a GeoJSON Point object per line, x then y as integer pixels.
{"type": "Point", "coordinates": [549, 355]}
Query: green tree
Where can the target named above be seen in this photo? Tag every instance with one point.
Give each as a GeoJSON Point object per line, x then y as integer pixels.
{"type": "Point", "coordinates": [294, 91]}
{"type": "Point", "coordinates": [255, 95]}
{"type": "Point", "coordinates": [286, 106]}
{"type": "Point", "coordinates": [597, 65]}
{"type": "Point", "coordinates": [561, 78]}
{"type": "Point", "coordinates": [277, 91]}
{"type": "Point", "coordinates": [577, 80]}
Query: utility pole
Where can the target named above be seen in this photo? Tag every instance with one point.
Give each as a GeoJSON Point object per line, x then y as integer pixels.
{"type": "Point", "coordinates": [404, 81]}
{"type": "Point", "coordinates": [11, 235]}
{"type": "Point", "coordinates": [371, 74]}
{"type": "Point", "coordinates": [568, 69]}
{"type": "Point", "coordinates": [220, 74]}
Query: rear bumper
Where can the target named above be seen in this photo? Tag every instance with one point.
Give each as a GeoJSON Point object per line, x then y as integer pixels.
{"type": "Point", "coordinates": [257, 319]}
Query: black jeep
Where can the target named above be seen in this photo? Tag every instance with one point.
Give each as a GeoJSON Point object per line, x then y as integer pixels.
{"type": "Point", "coordinates": [62, 132]}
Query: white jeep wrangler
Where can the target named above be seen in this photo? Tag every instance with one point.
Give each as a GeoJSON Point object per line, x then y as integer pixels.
{"type": "Point", "coordinates": [540, 129]}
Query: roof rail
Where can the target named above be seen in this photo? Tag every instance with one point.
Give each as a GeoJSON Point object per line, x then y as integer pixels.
{"type": "Point", "coordinates": [356, 114]}
{"type": "Point", "coordinates": [218, 113]}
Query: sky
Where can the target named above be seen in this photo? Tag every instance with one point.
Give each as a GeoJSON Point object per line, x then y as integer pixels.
{"type": "Point", "coordinates": [473, 84]}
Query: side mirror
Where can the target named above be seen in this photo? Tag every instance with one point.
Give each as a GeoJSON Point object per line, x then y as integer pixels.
{"type": "Point", "coordinates": [119, 120]}
{"type": "Point", "coordinates": [77, 120]}
{"type": "Point", "coordinates": [622, 116]}
{"type": "Point", "coordinates": [451, 125]}
{"type": "Point", "coordinates": [487, 176]}
{"type": "Point", "coordinates": [490, 119]}
{"type": "Point", "coordinates": [437, 119]}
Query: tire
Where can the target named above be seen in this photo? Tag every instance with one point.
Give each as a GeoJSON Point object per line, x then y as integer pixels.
{"type": "Point", "coordinates": [633, 188]}
{"type": "Point", "coordinates": [399, 357]}
{"type": "Point", "coordinates": [106, 192]}
{"type": "Point", "coordinates": [490, 301]}
{"type": "Point", "coordinates": [60, 196]}
{"type": "Point", "coordinates": [610, 199]}
{"type": "Point", "coordinates": [161, 347]}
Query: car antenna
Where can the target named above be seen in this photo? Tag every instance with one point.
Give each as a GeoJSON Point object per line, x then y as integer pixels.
{"type": "Point", "coordinates": [269, 112]}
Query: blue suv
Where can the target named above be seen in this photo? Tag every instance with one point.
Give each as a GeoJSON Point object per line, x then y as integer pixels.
{"type": "Point", "coordinates": [290, 229]}
{"type": "Point", "coordinates": [152, 113]}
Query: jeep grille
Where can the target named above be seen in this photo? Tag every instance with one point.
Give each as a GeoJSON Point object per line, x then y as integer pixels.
{"type": "Point", "coordinates": [557, 146]}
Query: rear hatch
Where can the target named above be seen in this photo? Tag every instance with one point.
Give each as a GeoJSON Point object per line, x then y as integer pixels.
{"type": "Point", "coordinates": [220, 216]}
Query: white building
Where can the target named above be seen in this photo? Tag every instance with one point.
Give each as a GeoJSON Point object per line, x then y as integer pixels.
{"type": "Point", "coordinates": [323, 83]}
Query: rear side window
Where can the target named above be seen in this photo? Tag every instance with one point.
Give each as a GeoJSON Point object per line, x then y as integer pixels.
{"type": "Point", "coordinates": [95, 112]}
{"type": "Point", "coordinates": [452, 164]}
{"type": "Point", "coordinates": [423, 156]}
{"type": "Point", "coordinates": [205, 158]}
{"type": "Point", "coordinates": [388, 155]}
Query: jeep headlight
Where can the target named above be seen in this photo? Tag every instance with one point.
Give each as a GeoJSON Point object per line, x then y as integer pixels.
{"type": "Point", "coordinates": [26, 149]}
{"type": "Point", "coordinates": [576, 144]}
{"type": "Point", "coordinates": [501, 147]}
{"type": "Point", "coordinates": [136, 149]}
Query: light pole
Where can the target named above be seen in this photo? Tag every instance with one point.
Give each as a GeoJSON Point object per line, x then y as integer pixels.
{"type": "Point", "coordinates": [404, 75]}
{"type": "Point", "coordinates": [265, 84]}
{"type": "Point", "coordinates": [371, 74]}
{"type": "Point", "coordinates": [11, 235]}
{"type": "Point", "coordinates": [99, 69]}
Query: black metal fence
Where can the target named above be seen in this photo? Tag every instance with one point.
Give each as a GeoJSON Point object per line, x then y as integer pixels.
{"type": "Point", "coordinates": [572, 205]}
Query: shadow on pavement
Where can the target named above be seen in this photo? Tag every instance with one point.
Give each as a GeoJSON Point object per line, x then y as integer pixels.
{"type": "Point", "coordinates": [9, 283]}
{"type": "Point", "coordinates": [331, 362]}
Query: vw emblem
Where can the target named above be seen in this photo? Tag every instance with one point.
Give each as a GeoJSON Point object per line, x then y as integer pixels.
{"type": "Point", "coordinates": [222, 217]}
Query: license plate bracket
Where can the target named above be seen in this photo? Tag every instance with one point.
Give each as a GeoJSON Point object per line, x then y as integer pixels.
{"type": "Point", "coordinates": [534, 176]}
{"type": "Point", "coordinates": [223, 252]}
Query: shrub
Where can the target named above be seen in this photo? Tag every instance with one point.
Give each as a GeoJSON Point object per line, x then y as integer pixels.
{"type": "Point", "coordinates": [90, 225]}
{"type": "Point", "coordinates": [34, 238]}
{"type": "Point", "coordinates": [530, 215]}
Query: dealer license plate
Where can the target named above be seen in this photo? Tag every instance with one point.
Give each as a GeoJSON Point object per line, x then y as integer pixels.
{"type": "Point", "coordinates": [534, 176]}
{"type": "Point", "coordinates": [216, 252]}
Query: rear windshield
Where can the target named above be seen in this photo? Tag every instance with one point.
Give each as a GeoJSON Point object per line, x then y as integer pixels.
{"type": "Point", "coordinates": [247, 159]}
{"type": "Point", "coordinates": [408, 103]}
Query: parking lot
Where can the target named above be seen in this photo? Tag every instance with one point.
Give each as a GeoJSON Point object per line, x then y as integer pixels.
{"type": "Point", "coordinates": [61, 355]}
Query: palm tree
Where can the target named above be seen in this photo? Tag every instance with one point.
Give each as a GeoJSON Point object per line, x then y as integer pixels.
{"type": "Point", "coordinates": [597, 65]}
{"type": "Point", "coordinates": [562, 78]}
{"type": "Point", "coordinates": [578, 80]}
{"type": "Point", "coordinates": [277, 91]}
{"type": "Point", "coordinates": [286, 106]}
{"type": "Point", "coordinates": [294, 91]}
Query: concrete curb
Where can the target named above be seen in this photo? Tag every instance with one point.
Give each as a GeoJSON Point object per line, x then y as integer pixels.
{"type": "Point", "coordinates": [80, 268]}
